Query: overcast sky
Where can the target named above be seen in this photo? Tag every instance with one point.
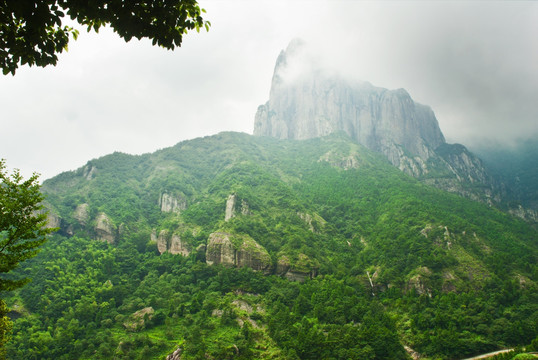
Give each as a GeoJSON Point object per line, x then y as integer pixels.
{"type": "Point", "coordinates": [475, 64]}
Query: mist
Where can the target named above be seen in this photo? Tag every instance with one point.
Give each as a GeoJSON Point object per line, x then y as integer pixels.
{"type": "Point", "coordinates": [473, 63]}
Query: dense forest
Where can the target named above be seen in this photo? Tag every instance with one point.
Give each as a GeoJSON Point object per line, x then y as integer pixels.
{"type": "Point", "coordinates": [242, 247]}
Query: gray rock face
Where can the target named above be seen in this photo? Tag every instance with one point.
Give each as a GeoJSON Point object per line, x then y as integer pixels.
{"type": "Point", "coordinates": [177, 246]}
{"type": "Point", "coordinates": [317, 104]}
{"type": "Point", "coordinates": [525, 214]}
{"type": "Point", "coordinates": [105, 229]}
{"type": "Point", "coordinates": [82, 214]}
{"type": "Point", "coordinates": [299, 270]}
{"type": "Point", "coordinates": [236, 251]}
{"type": "Point", "coordinates": [53, 220]}
{"type": "Point", "coordinates": [170, 203]}
{"type": "Point", "coordinates": [170, 242]}
{"type": "Point", "coordinates": [162, 241]}
{"type": "Point", "coordinates": [137, 320]}
{"type": "Point", "coordinates": [220, 249]}
{"type": "Point", "coordinates": [89, 171]}
{"type": "Point", "coordinates": [176, 355]}
{"type": "Point", "coordinates": [232, 206]}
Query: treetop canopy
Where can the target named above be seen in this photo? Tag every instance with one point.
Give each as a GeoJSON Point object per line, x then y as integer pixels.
{"type": "Point", "coordinates": [32, 32]}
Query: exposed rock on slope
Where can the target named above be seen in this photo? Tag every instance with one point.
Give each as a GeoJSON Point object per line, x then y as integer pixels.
{"type": "Point", "coordinates": [170, 203]}
{"type": "Point", "coordinates": [234, 250]}
{"type": "Point", "coordinates": [82, 214]}
{"type": "Point", "coordinates": [232, 206]}
{"type": "Point", "coordinates": [138, 319]}
{"type": "Point", "coordinates": [53, 219]}
{"type": "Point", "coordinates": [318, 104]}
{"type": "Point", "coordinates": [300, 269]}
{"type": "Point", "coordinates": [170, 242]}
{"type": "Point", "coordinates": [315, 103]}
{"type": "Point", "coordinates": [105, 229]}
{"type": "Point", "coordinates": [177, 246]}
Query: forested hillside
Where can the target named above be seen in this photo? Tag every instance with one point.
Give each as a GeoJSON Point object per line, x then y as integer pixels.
{"type": "Point", "coordinates": [234, 246]}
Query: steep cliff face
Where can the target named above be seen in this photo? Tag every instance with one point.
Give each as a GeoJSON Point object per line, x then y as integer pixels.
{"type": "Point", "coordinates": [171, 203]}
{"type": "Point", "coordinates": [312, 103]}
{"type": "Point", "coordinates": [237, 251]}
{"type": "Point", "coordinates": [233, 206]}
{"type": "Point", "coordinates": [317, 103]}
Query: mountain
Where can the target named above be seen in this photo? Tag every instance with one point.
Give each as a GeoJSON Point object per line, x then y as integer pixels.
{"type": "Point", "coordinates": [307, 101]}
{"type": "Point", "coordinates": [239, 246]}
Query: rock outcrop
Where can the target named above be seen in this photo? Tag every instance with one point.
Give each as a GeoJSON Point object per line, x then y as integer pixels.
{"type": "Point", "coordinates": [170, 242]}
{"type": "Point", "coordinates": [342, 161]}
{"type": "Point", "coordinates": [232, 206]}
{"type": "Point", "coordinates": [89, 171]}
{"type": "Point", "coordinates": [161, 240]}
{"type": "Point", "coordinates": [314, 222]}
{"type": "Point", "coordinates": [236, 251]}
{"type": "Point", "coordinates": [105, 229]}
{"type": "Point", "coordinates": [53, 220]}
{"type": "Point", "coordinates": [137, 320]}
{"type": "Point", "coordinates": [170, 203]}
{"type": "Point", "coordinates": [525, 214]}
{"type": "Point", "coordinates": [82, 214]}
{"type": "Point", "coordinates": [314, 102]}
{"type": "Point", "coordinates": [420, 282]}
{"type": "Point", "coordinates": [220, 249]}
{"type": "Point", "coordinates": [177, 246]}
{"type": "Point", "coordinates": [176, 355]}
{"type": "Point", "coordinates": [300, 270]}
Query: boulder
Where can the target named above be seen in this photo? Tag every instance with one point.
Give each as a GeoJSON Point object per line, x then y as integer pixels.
{"type": "Point", "coordinates": [53, 220]}
{"type": "Point", "coordinates": [220, 249]}
{"type": "Point", "coordinates": [170, 242]}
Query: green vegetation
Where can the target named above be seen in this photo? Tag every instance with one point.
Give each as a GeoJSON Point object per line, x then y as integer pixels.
{"type": "Point", "coordinates": [32, 31]}
{"type": "Point", "coordinates": [382, 260]}
{"type": "Point", "coordinates": [22, 231]}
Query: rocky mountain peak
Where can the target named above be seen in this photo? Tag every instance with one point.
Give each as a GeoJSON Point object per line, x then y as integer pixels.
{"type": "Point", "coordinates": [307, 101]}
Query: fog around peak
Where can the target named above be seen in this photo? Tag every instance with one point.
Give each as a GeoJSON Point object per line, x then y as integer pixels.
{"type": "Point", "coordinates": [474, 64]}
